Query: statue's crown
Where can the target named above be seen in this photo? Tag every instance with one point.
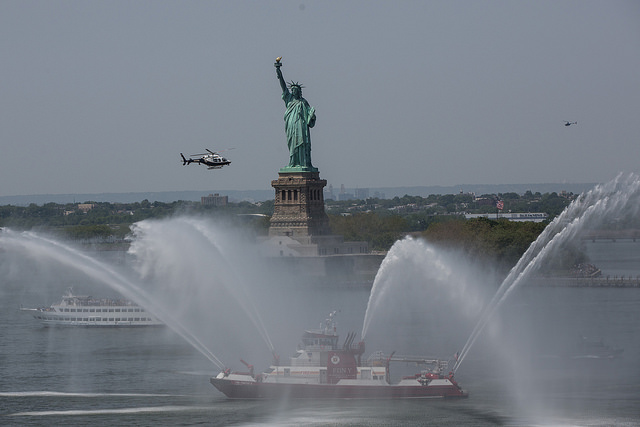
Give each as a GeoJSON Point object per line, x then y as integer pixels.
{"type": "Point", "coordinates": [295, 84]}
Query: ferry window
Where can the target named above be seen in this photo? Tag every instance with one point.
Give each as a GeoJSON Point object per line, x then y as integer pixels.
{"type": "Point", "coordinates": [111, 310]}
{"type": "Point", "coordinates": [118, 310]}
{"type": "Point", "coordinates": [73, 310]}
{"type": "Point", "coordinates": [130, 310]}
{"type": "Point", "coordinates": [287, 372]}
{"type": "Point", "coordinates": [86, 310]}
{"type": "Point", "coordinates": [137, 319]}
{"type": "Point", "coordinates": [130, 319]}
{"type": "Point", "coordinates": [110, 319]}
{"type": "Point", "coordinates": [92, 310]}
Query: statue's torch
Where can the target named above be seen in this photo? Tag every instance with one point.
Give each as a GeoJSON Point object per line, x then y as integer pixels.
{"type": "Point", "coordinates": [278, 64]}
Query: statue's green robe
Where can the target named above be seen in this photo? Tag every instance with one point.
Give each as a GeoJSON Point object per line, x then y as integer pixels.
{"type": "Point", "coordinates": [298, 118]}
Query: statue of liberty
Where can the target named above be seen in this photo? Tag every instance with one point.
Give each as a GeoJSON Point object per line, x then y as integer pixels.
{"type": "Point", "coordinates": [299, 117]}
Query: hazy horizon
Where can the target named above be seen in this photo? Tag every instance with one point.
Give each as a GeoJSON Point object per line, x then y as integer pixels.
{"type": "Point", "coordinates": [262, 195]}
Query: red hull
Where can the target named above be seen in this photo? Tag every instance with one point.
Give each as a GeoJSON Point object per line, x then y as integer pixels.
{"type": "Point", "coordinates": [261, 390]}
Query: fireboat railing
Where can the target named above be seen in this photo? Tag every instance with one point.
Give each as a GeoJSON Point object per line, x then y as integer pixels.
{"type": "Point", "coordinates": [379, 358]}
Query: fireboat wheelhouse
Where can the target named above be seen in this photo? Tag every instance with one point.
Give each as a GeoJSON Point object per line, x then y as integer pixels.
{"type": "Point", "coordinates": [322, 369]}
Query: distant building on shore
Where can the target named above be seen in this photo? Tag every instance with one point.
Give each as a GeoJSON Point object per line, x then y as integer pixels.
{"type": "Point", "coordinates": [518, 217]}
{"type": "Point", "coordinates": [214, 200]}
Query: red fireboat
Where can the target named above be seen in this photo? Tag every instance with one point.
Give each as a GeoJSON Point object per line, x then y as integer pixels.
{"type": "Point", "coordinates": [322, 369]}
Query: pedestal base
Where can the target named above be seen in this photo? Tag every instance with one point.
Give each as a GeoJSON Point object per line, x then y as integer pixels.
{"type": "Point", "coordinates": [299, 204]}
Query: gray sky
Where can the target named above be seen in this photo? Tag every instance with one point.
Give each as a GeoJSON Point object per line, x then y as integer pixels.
{"type": "Point", "coordinates": [102, 96]}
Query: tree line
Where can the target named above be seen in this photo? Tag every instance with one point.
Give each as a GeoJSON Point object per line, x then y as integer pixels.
{"type": "Point", "coordinates": [380, 222]}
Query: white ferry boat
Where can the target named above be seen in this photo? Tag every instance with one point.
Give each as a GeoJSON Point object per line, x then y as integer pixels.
{"type": "Point", "coordinates": [77, 310]}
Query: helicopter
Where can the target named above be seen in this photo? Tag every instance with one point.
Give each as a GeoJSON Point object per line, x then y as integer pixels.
{"type": "Point", "coordinates": [567, 123]}
{"type": "Point", "coordinates": [211, 159]}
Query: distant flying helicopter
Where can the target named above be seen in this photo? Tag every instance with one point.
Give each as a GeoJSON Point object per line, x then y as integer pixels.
{"type": "Point", "coordinates": [211, 159]}
{"type": "Point", "coordinates": [566, 123]}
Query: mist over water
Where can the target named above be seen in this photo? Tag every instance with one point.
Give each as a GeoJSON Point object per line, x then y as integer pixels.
{"type": "Point", "coordinates": [199, 276]}
{"type": "Point", "coordinates": [427, 290]}
{"type": "Point", "coordinates": [205, 269]}
{"type": "Point", "coordinates": [227, 301]}
{"type": "Point", "coordinates": [429, 286]}
{"type": "Point", "coordinates": [619, 198]}
{"type": "Point", "coordinates": [42, 247]}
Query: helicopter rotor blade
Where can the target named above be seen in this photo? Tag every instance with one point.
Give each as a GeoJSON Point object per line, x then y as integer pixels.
{"type": "Point", "coordinates": [226, 149]}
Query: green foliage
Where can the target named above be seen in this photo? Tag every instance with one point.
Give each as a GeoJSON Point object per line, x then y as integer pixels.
{"type": "Point", "coordinates": [112, 220]}
{"type": "Point", "coordinates": [378, 221]}
{"type": "Point", "coordinates": [498, 241]}
{"type": "Point", "coordinates": [380, 231]}
{"type": "Point", "coordinates": [81, 232]}
{"type": "Point", "coordinates": [450, 204]}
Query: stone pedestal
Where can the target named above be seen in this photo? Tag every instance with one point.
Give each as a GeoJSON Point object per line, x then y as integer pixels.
{"type": "Point", "coordinates": [299, 205]}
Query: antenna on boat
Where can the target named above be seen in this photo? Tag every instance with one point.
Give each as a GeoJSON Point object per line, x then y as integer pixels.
{"type": "Point", "coordinates": [330, 323]}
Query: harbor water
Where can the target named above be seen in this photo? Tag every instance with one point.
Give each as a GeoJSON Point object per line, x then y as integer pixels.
{"type": "Point", "coordinates": [153, 377]}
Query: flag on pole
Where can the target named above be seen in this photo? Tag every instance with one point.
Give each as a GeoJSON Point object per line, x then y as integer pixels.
{"type": "Point", "coordinates": [500, 204]}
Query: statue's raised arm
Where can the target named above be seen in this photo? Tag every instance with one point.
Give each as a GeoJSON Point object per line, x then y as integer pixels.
{"type": "Point", "coordinates": [283, 84]}
{"type": "Point", "coordinates": [298, 119]}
